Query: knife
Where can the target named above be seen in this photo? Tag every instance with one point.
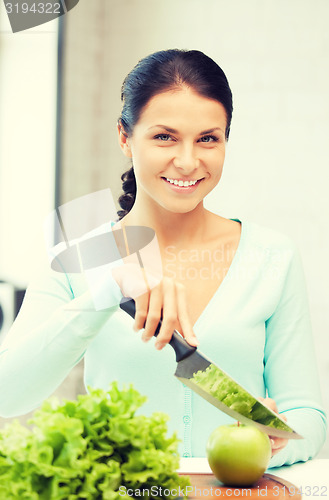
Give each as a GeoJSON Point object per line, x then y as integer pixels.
{"type": "Point", "coordinates": [196, 371]}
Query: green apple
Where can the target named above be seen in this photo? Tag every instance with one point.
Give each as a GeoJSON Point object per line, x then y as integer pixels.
{"type": "Point", "coordinates": [238, 454]}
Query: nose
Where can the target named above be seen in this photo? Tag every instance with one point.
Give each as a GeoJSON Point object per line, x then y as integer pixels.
{"type": "Point", "coordinates": [186, 159]}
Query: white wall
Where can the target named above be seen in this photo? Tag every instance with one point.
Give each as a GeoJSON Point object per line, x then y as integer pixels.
{"type": "Point", "coordinates": [28, 88]}
{"type": "Point", "coordinates": [276, 56]}
{"type": "Point", "coordinates": [28, 72]}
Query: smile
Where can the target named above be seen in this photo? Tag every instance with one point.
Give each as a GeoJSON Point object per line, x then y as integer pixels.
{"type": "Point", "coordinates": [182, 187]}
{"type": "Point", "coordinates": [181, 183]}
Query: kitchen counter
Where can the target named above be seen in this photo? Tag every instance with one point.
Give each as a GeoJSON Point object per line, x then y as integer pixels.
{"type": "Point", "coordinates": [310, 478]}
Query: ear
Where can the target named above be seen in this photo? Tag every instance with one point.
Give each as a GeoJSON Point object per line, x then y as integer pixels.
{"type": "Point", "coordinates": [124, 141]}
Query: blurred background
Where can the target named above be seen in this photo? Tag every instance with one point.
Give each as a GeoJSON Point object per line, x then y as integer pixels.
{"type": "Point", "coordinates": [60, 100]}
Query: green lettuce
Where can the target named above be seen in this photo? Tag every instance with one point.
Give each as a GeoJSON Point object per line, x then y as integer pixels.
{"type": "Point", "coordinates": [91, 448]}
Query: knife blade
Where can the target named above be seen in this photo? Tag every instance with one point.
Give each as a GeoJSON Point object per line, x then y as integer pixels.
{"type": "Point", "coordinates": [213, 384]}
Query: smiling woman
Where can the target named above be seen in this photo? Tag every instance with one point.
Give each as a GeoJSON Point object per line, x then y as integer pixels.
{"type": "Point", "coordinates": [245, 303]}
{"type": "Point", "coordinates": [184, 152]}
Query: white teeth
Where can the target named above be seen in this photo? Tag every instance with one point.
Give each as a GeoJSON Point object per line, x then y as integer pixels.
{"type": "Point", "coordinates": [181, 183]}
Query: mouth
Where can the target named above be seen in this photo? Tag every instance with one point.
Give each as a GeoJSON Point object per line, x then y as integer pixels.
{"type": "Point", "coordinates": [181, 184]}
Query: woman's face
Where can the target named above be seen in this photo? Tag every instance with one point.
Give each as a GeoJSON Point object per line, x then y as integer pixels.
{"type": "Point", "coordinates": [177, 149]}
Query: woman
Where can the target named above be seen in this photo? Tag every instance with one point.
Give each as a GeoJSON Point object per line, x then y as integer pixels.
{"type": "Point", "coordinates": [236, 287]}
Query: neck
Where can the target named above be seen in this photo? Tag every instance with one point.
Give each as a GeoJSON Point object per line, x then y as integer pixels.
{"type": "Point", "coordinates": [179, 229]}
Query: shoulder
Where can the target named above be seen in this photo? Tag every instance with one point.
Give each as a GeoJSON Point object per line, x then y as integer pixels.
{"type": "Point", "coordinates": [267, 239]}
{"type": "Point", "coordinates": [269, 250]}
{"type": "Point", "coordinates": [253, 235]}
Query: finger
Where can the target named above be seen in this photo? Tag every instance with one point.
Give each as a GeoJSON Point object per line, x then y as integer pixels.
{"type": "Point", "coordinates": [153, 278]}
{"type": "Point", "coordinates": [169, 314]}
{"type": "Point", "coordinates": [270, 403]}
{"type": "Point", "coordinates": [277, 444]}
{"type": "Point", "coordinates": [183, 316]}
{"type": "Point", "coordinates": [154, 314]}
{"type": "Point", "coordinates": [141, 306]}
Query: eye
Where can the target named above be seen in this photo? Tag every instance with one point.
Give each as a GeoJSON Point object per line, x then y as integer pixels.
{"type": "Point", "coordinates": [209, 138]}
{"type": "Point", "coordinates": [163, 137]}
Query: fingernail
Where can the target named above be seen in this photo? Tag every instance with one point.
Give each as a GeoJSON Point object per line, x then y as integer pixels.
{"type": "Point", "coordinates": [193, 341]}
{"type": "Point", "coordinates": [159, 345]}
{"type": "Point", "coordinates": [272, 443]}
{"type": "Point", "coordinates": [193, 344]}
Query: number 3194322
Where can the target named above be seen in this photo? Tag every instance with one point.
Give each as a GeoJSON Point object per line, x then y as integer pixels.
{"type": "Point", "coordinates": [314, 491]}
{"type": "Point", "coordinates": [35, 8]}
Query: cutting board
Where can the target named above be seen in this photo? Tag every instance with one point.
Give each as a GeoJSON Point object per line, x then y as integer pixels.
{"type": "Point", "coordinates": [206, 486]}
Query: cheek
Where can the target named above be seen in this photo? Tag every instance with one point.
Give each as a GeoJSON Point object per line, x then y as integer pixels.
{"type": "Point", "coordinates": [150, 160]}
{"type": "Point", "coordinates": [217, 175]}
{"type": "Point", "coordinates": [217, 163]}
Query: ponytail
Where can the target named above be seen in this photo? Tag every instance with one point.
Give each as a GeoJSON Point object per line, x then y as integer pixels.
{"type": "Point", "coordinates": [127, 199]}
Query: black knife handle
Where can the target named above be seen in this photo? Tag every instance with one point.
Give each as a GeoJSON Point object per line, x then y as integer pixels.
{"type": "Point", "coordinates": [182, 348]}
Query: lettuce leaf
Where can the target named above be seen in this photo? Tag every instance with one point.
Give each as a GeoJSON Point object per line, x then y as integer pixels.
{"type": "Point", "coordinates": [91, 448]}
{"type": "Point", "coordinates": [225, 389]}
{"type": "Point", "coordinates": [222, 387]}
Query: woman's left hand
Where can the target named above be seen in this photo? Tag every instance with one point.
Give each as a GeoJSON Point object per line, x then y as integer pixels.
{"type": "Point", "coordinates": [277, 443]}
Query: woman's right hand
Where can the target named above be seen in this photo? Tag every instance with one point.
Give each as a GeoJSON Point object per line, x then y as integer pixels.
{"type": "Point", "coordinates": [156, 298]}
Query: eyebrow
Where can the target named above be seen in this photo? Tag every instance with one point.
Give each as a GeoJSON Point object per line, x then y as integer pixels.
{"type": "Point", "coordinates": [173, 131]}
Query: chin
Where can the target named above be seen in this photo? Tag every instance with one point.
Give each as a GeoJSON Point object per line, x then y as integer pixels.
{"type": "Point", "coordinates": [180, 208]}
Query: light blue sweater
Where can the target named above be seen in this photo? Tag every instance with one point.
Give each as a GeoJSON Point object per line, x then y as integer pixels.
{"type": "Point", "coordinates": [256, 327]}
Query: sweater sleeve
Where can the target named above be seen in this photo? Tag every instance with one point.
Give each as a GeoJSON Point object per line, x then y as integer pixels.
{"type": "Point", "coordinates": [290, 369]}
{"type": "Point", "coordinates": [48, 338]}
